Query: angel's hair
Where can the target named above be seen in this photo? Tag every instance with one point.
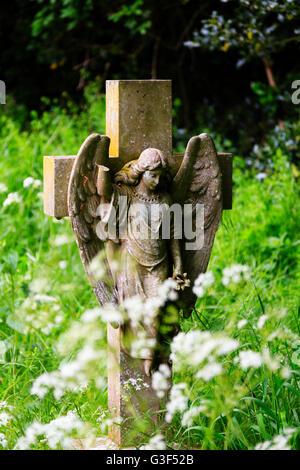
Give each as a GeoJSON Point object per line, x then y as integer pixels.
{"type": "Point", "coordinates": [149, 159]}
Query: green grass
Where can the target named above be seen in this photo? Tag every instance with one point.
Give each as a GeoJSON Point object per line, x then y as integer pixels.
{"type": "Point", "coordinates": [261, 231]}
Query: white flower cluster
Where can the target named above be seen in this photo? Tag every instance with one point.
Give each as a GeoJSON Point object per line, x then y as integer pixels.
{"type": "Point", "coordinates": [72, 376]}
{"type": "Point", "coordinates": [178, 400]}
{"type": "Point", "coordinates": [141, 310]}
{"type": "Point", "coordinates": [136, 384]}
{"type": "Point", "coordinates": [262, 320]}
{"type": "Point", "coordinates": [203, 281]}
{"type": "Point", "coordinates": [3, 188]}
{"type": "Point", "coordinates": [108, 313]}
{"type": "Point", "coordinates": [40, 311]}
{"type": "Point", "coordinates": [142, 346]}
{"type": "Point", "coordinates": [242, 323]}
{"type": "Point", "coordinates": [31, 182]}
{"type": "Point", "coordinates": [235, 274]}
{"type": "Point", "coordinates": [5, 419]}
{"type": "Point", "coordinates": [108, 423]}
{"type": "Point", "coordinates": [160, 382]}
{"type": "Point", "coordinates": [156, 443]}
{"type": "Point", "coordinates": [196, 347]}
{"type": "Point", "coordinates": [189, 416]}
{"type": "Point", "coordinates": [279, 442]}
{"type": "Point", "coordinates": [3, 440]}
{"type": "Point", "coordinates": [97, 267]}
{"type": "Point", "coordinates": [62, 239]}
{"type": "Point", "coordinates": [57, 432]}
{"type": "Point", "coordinates": [249, 358]}
{"type": "Point", "coordinates": [12, 198]}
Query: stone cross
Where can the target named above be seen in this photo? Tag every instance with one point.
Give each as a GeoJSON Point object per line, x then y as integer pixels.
{"type": "Point", "coordinates": [138, 116]}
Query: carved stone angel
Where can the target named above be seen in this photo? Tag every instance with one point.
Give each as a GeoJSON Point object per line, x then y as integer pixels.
{"type": "Point", "coordinates": [125, 209]}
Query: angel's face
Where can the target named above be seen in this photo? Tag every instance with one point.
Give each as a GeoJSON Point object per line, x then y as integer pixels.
{"type": "Point", "coordinates": [151, 178]}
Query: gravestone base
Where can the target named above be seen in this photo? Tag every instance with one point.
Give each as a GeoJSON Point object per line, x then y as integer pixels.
{"type": "Point", "coordinates": [132, 402]}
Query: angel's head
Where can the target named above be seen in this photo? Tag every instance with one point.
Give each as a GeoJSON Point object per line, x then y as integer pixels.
{"type": "Point", "coordinates": [151, 166]}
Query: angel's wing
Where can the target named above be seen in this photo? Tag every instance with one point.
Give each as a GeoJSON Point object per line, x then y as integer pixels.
{"type": "Point", "coordinates": [199, 182]}
{"type": "Point", "coordinates": [83, 202]}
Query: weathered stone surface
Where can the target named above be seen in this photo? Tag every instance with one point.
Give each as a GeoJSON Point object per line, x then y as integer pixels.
{"type": "Point", "coordinates": [130, 393]}
{"type": "Point", "coordinates": [138, 116]}
{"type": "Point", "coordinates": [57, 171]}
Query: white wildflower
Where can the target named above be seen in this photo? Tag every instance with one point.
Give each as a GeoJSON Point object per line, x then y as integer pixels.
{"type": "Point", "coordinates": [156, 443]}
{"type": "Point", "coordinates": [279, 442]}
{"type": "Point", "coordinates": [167, 291]}
{"type": "Point", "coordinates": [97, 267]}
{"type": "Point", "coordinates": [3, 440]}
{"type": "Point", "coordinates": [43, 298]}
{"type": "Point", "coordinates": [12, 198]}
{"type": "Point", "coordinates": [242, 323]}
{"type": "Point", "coordinates": [160, 382]}
{"type": "Point", "coordinates": [203, 281]}
{"type": "Point", "coordinates": [178, 401]}
{"type": "Point", "coordinates": [142, 346]}
{"type": "Point", "coordinates": [208, 372]}
{"type": "Point", "coordinates": [111, 313]}
{"type": "Point", "coordinates": [272, 363]}
{"type": "Point", "coordinates": [235, 274]}
{"type": "Point", "coordinates": [137, 384]}
{"type": "Point", "coordinates": [285, 373]}
{"type": "Point", "coordinates": [62, 240]}
{"type": "Point", "coordinates": [190, 415]}
{"type": "Point", "coordinates": [91, 315]}
{"type": "Point", "coordinates": [260, 176]}
{"type": "Point", "coordinates": [31, 182]}
{"type": "Point", "coordinates": [134, 307]}
{"type": "Point", "coordinates": [195, 347]}
{"type": "Point", "coordinates": [261, 321]}
{"type": "Point", "coordinates": [39, 285]}
{"type": "Point", "coordinates": [57, 432]}
{"type": "Point", "coordinates": [5, 418]}
{"type": "Point", "coordinates": [250, 359]}
{"type": "Point", "coordinates": [3, 188]}
{"type": "Point", "coordinates": [4, 405]}
{"type": "Point", "coordinates": [62, 264]}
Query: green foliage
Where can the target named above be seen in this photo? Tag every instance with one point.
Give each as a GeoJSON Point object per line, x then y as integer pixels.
{"type": "Point", "coordinates": [257, 28]}
{"type": "Point", "coordinates": [135, 17]}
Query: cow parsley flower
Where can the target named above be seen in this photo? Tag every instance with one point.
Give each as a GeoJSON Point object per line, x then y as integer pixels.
{"type": "Point", "coordinates": [250, 359]}
{"type": "Point", "coordinates": [189, 416]}
{"type": "Point", "coordinates": [3, 188]}
{"type": "Point", "coordinates": [62, 239]}
{"type": "Point", "coordinates": [31, 182]}
{"type": "Point", "coordinates": [3, 440]}
{"type": "Point", "coordinates": [12, 198]}
{"type": "Point", "coordinates": [5, 418]}
{"type": "Point", "coordinates": [160, 382]}
{"type": "Point", "coordinates": [57, 432]}
{"type": "Point", "coordinates": [208, 372]}
{"type": "Point", "coordinates": [235, 274]}
{"type": "Point", "coordinates": [142, 346]}
{"type": "Point", "coordinates": [261, 321]}
{"type": "Point", "coordinates": [203, 281]}
{"type": "Point", "coordinates": [242, 323]}
{"type": "Point", "coordinates": [178, 401]}
{"type": "Point", "coordinates": [279, 442]}
{"type": "Point", "coordinates": [156, 443]}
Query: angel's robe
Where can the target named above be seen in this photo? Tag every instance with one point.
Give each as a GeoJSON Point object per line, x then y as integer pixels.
{"type": "Point", "coordinates": [134, 226]}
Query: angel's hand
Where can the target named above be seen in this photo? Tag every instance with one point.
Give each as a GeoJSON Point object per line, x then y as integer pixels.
{"type": "Point", "coordinates": [181, 279]}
